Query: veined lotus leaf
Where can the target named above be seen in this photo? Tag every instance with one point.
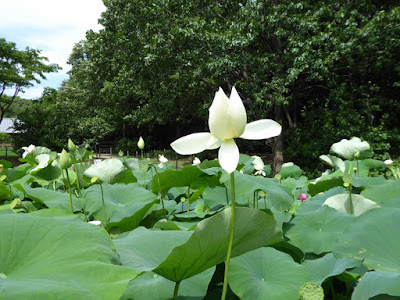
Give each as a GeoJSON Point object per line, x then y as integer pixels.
{"type": "Point", "coordinates": [58, 258]}
{"type": "Point", "coordinates": [350, 149]}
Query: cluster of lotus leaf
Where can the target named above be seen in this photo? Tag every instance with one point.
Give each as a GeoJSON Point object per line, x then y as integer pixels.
{"type": "Point", "coordinates": [162, 226]}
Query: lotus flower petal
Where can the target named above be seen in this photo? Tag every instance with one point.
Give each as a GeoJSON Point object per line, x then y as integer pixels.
{"type": "Point", "coordinates": [193, 143]}
{"type": "Point", "coordinates": [216, 145]}
{"type": "Point", "coordinates": [228, 155]}
{"type": "Point", "coordinates": [237, 113]}
{"type": "Point", "coordinates": [261, 129]}
{"type": "Point", "coordinates": [227, 118]}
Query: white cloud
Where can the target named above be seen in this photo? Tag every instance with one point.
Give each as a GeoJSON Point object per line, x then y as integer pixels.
{"type": "Point", "coordinates": [54, 26]}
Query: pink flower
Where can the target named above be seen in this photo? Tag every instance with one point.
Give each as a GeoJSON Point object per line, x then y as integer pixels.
{"type": "Point", "coordinates": [302, 197]}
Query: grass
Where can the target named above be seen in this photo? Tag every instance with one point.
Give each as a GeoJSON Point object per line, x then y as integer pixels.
{"type": "Point", "coordinates": [7, 152]}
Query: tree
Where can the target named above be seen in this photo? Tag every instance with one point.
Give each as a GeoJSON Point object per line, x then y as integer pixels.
{"type": "Point", "coordinates": [325, 70]}
{"type": "Point", "coordinates": [18, 69]}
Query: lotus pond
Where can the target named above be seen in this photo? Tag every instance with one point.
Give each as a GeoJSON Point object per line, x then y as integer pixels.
{"type": "Point", "coordinates": [164, 233]}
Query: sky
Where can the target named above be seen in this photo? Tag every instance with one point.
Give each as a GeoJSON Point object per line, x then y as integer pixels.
{"type": "Point", "coordinates": [53, 26]}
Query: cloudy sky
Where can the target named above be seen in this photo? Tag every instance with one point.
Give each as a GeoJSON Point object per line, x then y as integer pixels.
{"type": "Point", "coordinates": [53, 26]}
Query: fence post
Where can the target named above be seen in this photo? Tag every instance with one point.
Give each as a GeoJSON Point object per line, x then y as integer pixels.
{"type": "Point", "coordinates": [110, 152]}
{"type": "Point", "coordinates": [6, 150]}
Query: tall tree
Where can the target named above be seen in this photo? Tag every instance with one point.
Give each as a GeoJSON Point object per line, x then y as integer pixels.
{"type": "Point", "coordinates": [18, 70]}
{"type": "Point", "coordinates": [324, 69]}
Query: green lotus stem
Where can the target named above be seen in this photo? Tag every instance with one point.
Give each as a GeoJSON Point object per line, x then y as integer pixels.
{"type": "Point", "coordinates": [351, 200]}
{"type": "Point", "coordinates": [230, 242]}
{"type": "Point", "coordinates": [175, 296]}
{"type": "Point", "coordinates": [227, 197]}
{"type": "Point", "coordinates": [63, 180]}
{"type": "Point", "coordinates": [188, 205]}
{"type": "Point", "coordinates": [159, 190]}
{"type": "Point", "coordinates": [77, 180]}
{"type": "Point", "coordinates": [358, 170]}
{"type": "Point", "coordinates": [70, 194]}
{"type": "Point", "coordinates": [332, 289]}
{"type": "Point", "coordinates": [104, 206]}
{"type": "Point", "coordinates": [84, 213]}
{"type": "Point", "coordinates": [257, 201]}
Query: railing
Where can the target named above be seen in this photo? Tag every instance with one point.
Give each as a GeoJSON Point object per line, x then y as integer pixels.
{"type": "Point", "coordinates": [7, 150]}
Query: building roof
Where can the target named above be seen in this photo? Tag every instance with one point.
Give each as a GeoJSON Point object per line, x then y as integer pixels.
{"type": "Point", "coordinates": [6, 125]}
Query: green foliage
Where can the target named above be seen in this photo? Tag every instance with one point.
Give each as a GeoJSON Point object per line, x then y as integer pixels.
{"type": "Point", "coordinates": [155, 241]}
{"type": "Point", "coordinates": [18, 69]}
{"type": "Point", "coordinates": [325, 70]}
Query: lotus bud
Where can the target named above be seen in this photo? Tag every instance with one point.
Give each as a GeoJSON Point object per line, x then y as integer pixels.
{"type": "Point", "coordinates": [302, 197]}
{"type": "Point", "coordinates": [71, 145]}
{"type": "Point", "coordinates": [65, 160]}
{"type": "Point", "coordinates": [140, 143]}
{"type": "Point", "coordinates": [1, 168]}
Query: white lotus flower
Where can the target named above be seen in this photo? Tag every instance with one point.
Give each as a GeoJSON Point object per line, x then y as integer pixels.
{"type": "Point", "coordinates": [227, 121]}
{"type": "Point", "coordinates": [258, 165]}
{"type": "Point", "coordinates": [163, 161]}
{"type": "Point", "coordinates": [196, 161]}
{"type": "Point", "coordinates": [388, 162]}
{"type": "Point", "coordinates": [28, 150]}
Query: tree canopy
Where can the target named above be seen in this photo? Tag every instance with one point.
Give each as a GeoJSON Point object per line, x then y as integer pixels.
{"type": "Point", "coordinates": [18, 70]}
{"type": "Point", "coordinates": [325, 70]}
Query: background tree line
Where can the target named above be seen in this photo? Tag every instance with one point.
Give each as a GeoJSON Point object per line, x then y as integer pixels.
{"type": "Point", "coordinates": [325, 70]}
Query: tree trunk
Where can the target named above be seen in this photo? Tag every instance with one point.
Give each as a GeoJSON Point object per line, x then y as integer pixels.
{"type": "Point", "coordinates": [277, 144]}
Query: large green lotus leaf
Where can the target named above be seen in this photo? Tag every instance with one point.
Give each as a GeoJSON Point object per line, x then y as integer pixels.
{"type": "Point", "coordinates": [349, 149]}
{"type": "Point", "coordinates": [13, 174]}
{"type": "Point", "coordinates": [394, 202]}
{"type": "Point", "coordinates": [374, 239]}
{"type": "Point", "coordinates": [333, 161]}
{"type": "Point", "coordinates": [80, 169]}
{"type": "Point", "coordinates": [42, 161]}
{"type": "Point", "coordinates": [296, 186]}
{"type": "Point", "coordinates": [109, 170]}
{"type": "Point", "coordinates": [54, 199]}
{"type": "Point", "coordinates": [58, 258]}
{"type": "Point", "coordinates": [316, 201]}
{"type": "Point", "coordinates": [216, 195]}
{"type": "Point", "coordinates": [131, 163]}
{"type": "Point", "coordinates": [377, 283]}
{"type": "Point", "coordinates": [328, 266]}
{"type": "Point", "coordinates": [289, 169]}
{"type": "Point", "coordinates": [4, 191]}
{"type": "Point", "coordinates": [245, 185]}
{"type": "Point", "coordinates": [144, 249]}
{"type": "Point", "coordinates": [327, 181]}
{"type": "Point", "coordinates": [266, 273]}
{"type": "Point", "coordinates": [208, 245]}
{"type": "Point", "coordinates": [47, 175]}
{"type": "Point", "coordinates": [373, 164]}
{"type": "Point", "coordinates": [155, 287]}
{"type": "Point", "coordinates": [126, 205]}
{"type": "Point", "coordinates": [367, 182]}
{"type": "Point", "coordinates": [317, 231]}
{"type": "Point", "coordinates": [188, 176]}
{"type": "Point", "coordinates": [379, 193]}
{"type": "Point", "coordinates": [341, 202]}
